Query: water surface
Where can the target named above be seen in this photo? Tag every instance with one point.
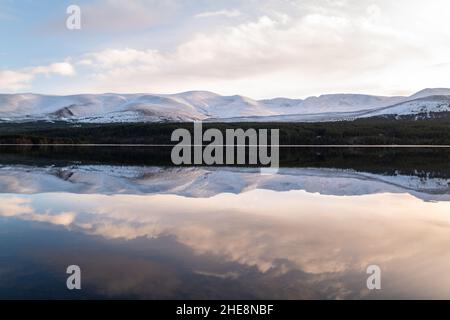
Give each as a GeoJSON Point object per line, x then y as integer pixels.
{"type": "Point", "coordinates": [156, 232]}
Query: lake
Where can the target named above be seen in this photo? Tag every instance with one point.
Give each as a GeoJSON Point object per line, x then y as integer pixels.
{"type": "Point", "coordinates": [139, 228]}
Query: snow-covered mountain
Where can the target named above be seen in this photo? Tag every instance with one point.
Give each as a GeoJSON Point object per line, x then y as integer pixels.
{"type": "Point", "coordinates": [208, 106]}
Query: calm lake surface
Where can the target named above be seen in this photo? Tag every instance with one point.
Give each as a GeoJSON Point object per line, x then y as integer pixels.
{"type": "Point", "coordinates": [153, 231]}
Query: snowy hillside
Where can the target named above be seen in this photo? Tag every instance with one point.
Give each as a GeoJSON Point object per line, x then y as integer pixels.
{"type": "Point", "coordinates": [208, 106]}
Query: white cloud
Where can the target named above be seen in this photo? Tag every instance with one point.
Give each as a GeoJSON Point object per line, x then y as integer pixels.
{"type": "Point", "coordinates": [294, 48]}
{"type": "Point", "coordinates": [225, 13]}
{"type": "Point", "coordinates": [12, 80]}
{"type": "Point", "coordinates": [317, 46]}
{"type": "Point", "coordinates": [111, 58]}
{"type": "Point", "coordinates": [59, 68]}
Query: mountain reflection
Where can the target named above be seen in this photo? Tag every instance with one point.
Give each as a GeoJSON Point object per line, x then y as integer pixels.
{"type": "Point", "coordinates": [210, 181]}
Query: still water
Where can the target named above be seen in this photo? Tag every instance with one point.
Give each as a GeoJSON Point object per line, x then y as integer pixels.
{"type": "Point", "coordinates": [161, 232]}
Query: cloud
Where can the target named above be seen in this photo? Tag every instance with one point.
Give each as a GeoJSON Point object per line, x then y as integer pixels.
{"type": "Point", "coordinates": [17, 80]}
{"type": "Point", "coordinates": [294, 49]}
{"type": "Point", "coordinates": [111, 58]}
{"type": "Point", "coordinates": [14, 80]}
{"type": "Point", "coordinates": [316, 46]}
{"type": "Point", "coordinates": [59, 68]}
{"type": "Point", "coordinates": [225, 13]}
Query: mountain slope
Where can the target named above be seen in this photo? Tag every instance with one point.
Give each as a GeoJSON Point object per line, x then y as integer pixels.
{"type": "Point", "coordinates": [425, 105]}
{"type": "Point", "coordinates": [208, 106]}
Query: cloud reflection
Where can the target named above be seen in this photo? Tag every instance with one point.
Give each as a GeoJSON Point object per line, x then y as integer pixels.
{"type": "Point", "coordinates": [278, 233]}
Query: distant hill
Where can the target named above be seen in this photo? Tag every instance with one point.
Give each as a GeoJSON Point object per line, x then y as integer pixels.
{"type": "Point", "coordinates": [208, 106]}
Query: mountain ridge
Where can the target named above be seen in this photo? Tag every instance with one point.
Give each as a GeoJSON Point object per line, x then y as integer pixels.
{"type": "Point", "coordinates": [209, 106]}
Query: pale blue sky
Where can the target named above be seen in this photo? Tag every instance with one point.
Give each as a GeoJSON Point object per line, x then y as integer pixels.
{"type": "Point", "coordinates": [259, 48]}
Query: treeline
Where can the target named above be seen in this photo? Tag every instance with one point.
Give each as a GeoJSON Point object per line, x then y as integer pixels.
{"type": "Point", "coordinates": [374, 131]}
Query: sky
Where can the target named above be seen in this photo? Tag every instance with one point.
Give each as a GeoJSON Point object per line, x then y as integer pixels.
{"type": "Point", "coordinates": [256, 48]}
